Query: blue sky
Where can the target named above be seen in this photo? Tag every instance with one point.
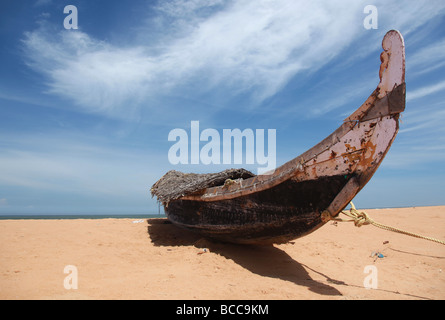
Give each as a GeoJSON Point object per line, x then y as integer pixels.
{"type": "Point", "coordinates": [85, 114]}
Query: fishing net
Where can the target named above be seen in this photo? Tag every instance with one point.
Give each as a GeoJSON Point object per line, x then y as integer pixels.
{"type": "Point", "coordinates": [175, 184]}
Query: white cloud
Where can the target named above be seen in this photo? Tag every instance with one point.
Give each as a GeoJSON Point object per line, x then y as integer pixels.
{"type": "Point", "coordinates": [425, 91]}
{"type": "Point", "coordinates": [252, 47]}
{"type": "Point", "coordinates": [413, 157]}
{"type": "Point", "coordinates": [76, 165]}
{"type": "Point", "coordinates": [188, 8]}
{"type": "Point", "coordinates": [249, 45]}
{"type": "Point", "coordinates": [42, 3]}
{"type": "Point", "coordinates": [427, 59]}
{"type": "Point", "coordinates": [3, 202]}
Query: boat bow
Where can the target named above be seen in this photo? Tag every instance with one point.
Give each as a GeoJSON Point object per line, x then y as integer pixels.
{"type": "Point", "coordinates": [304, 193]}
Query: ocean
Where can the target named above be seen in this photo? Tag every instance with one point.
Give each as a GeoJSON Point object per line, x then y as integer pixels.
{"type": "Point", "coordinates": [79, 216]}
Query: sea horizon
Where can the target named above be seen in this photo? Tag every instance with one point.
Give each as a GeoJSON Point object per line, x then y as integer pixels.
{"type": "Point", "coordinates": [78, 216]}
{"type": "Point", "coordinates": [72, 216]}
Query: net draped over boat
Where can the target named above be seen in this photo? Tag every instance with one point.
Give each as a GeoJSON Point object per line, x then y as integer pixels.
{"type": "Point", "coordinates": [175, 184]}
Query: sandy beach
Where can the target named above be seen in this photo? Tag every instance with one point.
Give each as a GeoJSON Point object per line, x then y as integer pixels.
{"type": "Point", "coordinates": [152, 259]}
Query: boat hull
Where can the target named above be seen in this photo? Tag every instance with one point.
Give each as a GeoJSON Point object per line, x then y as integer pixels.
{"type": "Point", "coordinates": [277, 215]}
{"type": "Point", "coordinates": [298, 204]}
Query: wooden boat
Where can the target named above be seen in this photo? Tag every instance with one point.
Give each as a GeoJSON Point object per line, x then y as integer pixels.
{"type": "Point", "coordinates": [306, 192]}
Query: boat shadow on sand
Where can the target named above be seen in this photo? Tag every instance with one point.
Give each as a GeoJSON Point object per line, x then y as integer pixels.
{"type": "Point", "coordinates": [266, 261]}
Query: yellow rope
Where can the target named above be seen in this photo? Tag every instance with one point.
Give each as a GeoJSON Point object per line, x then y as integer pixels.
{"type": "Point", "coordinates": [361, 218]}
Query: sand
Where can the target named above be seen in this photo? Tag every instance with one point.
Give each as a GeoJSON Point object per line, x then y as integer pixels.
{"type": "Point", "coordinates": [150, 259]}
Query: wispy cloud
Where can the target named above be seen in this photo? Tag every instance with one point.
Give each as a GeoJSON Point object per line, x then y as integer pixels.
{"type": "Point", "coordinates": [428, 58]}
{"type": "Point", "coordinates": [249, 47]}
{"type": "Point", "coordinates": [414, 156]}
{"type": "Point", "coordinates": [76, 165]}
{"type": "Point", "coordinates": [39, 3]}
{"type": "Point", "coordinates": [421, 139]}
{"type": "Point", "coordinates": [425, 91]}
{"type": "Point", "coordinates": [344, 95]}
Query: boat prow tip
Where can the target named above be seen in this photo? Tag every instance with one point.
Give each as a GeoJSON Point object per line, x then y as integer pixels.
{"type": "Point", "coordinates": [391, 74]}
{"type": "Point", "coordinates": [392, 68]}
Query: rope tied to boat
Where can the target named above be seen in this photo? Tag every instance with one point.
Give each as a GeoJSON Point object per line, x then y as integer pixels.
{"type": "Point", "coordinates": [362, 218]}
